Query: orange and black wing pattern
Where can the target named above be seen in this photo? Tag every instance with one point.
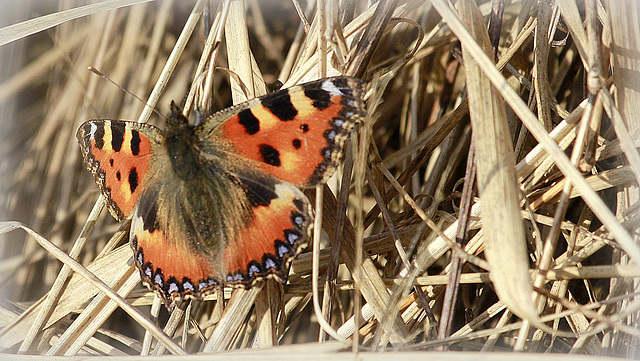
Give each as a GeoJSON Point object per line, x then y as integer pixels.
{"type": "Point", "coordinates": [118, 154]}
{"type": "Point", "coordinates": [295, 134]}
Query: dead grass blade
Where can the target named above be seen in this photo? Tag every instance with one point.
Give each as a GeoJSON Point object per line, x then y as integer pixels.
{"type": "Point", "coordinates": [17, 31]}
{"type": "Point", "coordinates": [505, 245]}
{"type": "Point", "coordinates": [530, 121]}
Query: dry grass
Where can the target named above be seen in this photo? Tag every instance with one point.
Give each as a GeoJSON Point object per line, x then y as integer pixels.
{"type": "Point", "coordinates": [481, 207]}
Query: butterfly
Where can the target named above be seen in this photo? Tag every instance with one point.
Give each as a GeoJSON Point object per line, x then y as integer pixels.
{"type": "Point", "coordinates": [219, 203]}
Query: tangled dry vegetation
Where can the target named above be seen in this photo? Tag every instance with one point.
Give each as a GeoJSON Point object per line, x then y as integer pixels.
{"type": "Point", "coordinates": [488, 202]}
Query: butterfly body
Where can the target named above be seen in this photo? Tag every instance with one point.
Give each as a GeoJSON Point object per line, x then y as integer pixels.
{"type": "Point", "coordinates": [218, 203]}
{"type": "Point", "coordinates": [180, 143]}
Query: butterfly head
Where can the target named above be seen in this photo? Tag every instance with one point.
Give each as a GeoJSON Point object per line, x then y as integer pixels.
{"type": "Point", "coordinates": [176, 119]}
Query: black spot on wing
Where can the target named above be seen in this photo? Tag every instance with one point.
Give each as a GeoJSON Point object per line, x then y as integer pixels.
{"type": "Point", "coordinates": [148, 210]}
{"type": "Point", "coordinates": [271, 263]}
{"type": "Point", "coordinates": [134, 242]}
{"type": "Point", "coordinates": [299, 203]}
{"type": "Point", "coordinates": [254, 268]}
{"type": "Point", "coordinates": [117, 135]}
{"type": "Point", "coordinates": [118, 176]}
{"type": "Point", "coordinates": [133, 179]}
{"type": "Point", "coordinates": [172, 285]}
{"type": "Point", "coordinates": [321, 98]}
{"type": "Point", "coordinates": [98, 136]}
{"type": "Point", "coordinates": [326, 153]}
{"type": "Point", "coordinates": [298, 219]}
{"type": "Point", "coordinates": [135, 142]}
{"type": "Point", "coordinates": [304, 128]}
{"type": "Point", "coordinates": [330, 135]}
{"type": "Point", "coordinates": [249, 121]}
{"type": "Point", "coordinates": [259, 194]}
{"type": "Point", "coordinates": [292, 236]}
{"type": "Point", "coordinates": [342, 83]}
{"type": "Point", "coordinates": [281, 248]}
{"type": "Point", "coordinates": [270, 155]}
{"type": "Point", "coordinates": [280, 105]}
{"type": "Point", "coordinates": [158, 278]}
{"type": "Point", "coordinates": [352, 111]}
{"type": "Point", "coordinates": [297, 144]}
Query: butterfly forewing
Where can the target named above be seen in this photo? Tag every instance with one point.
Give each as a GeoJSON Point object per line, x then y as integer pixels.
{"type": "Point", "coordinates": [118, 154]}
{"type": "Point", "coordinates": [295, 134]}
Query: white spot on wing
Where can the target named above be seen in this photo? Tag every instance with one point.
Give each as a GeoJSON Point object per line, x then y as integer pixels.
{"type": "Point", "coordinates": [328, 85]}
{"type": "Point", "coordinates": [284, 191]}
{"type": "Point", "coordinates": [94, 127]}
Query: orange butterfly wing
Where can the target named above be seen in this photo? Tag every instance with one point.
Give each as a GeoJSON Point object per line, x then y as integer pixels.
{"type": "Point", "coordinates": [296, 134]}
{"type": "Point", "coordinates": [118, 155]}
{"type": "Point", "coordinates": [184, 248]}
{"type": "Point", "coordinates": [278, 228]}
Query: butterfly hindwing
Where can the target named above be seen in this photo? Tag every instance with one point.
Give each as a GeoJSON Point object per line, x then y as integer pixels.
{"type": "Point", "coordinates": [118, 154]}
{"type": "Point", "coordinates": [296, 134]}
{"type": "Point", "coordinates": [168, 262]}
{"type": "Point", "coordinates": [279, 226]}
{"type": "Point", "coordinates": [182, 223]}
{"type": "Point", "coordinates": [179, 259]}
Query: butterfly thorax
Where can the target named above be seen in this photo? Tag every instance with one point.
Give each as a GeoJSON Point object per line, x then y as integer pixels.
{"type": "Point", "coordinates": [183, 152]}
{"type": "Point", "coordinates": [181, 144]}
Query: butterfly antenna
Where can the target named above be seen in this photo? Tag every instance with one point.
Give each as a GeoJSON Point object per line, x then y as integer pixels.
{"type": "Point", "coordinates": [97, 72]}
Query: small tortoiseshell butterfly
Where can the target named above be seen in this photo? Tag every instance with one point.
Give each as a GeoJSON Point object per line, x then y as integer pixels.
{"type": "Point", "coordinates": [218, 203]}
